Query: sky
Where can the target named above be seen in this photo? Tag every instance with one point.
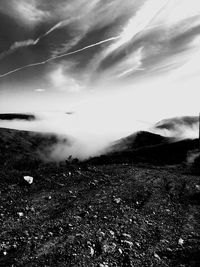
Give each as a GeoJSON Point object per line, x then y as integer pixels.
{"type": "Point", "coordinates": [115, 66]}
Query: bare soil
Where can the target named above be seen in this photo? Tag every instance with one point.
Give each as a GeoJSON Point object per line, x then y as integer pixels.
{"type": "Point", "coordinates": [78, 214]}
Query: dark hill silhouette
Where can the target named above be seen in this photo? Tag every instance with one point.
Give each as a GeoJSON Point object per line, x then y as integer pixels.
{"type": "Point", "coordinates": [23, 149]}
{"type": "Point", "coordinates": [150, 148]}
{"type": "Point", "coordinates": [138, 140]}
{"type": "Point", "coordinates": [17, 116]}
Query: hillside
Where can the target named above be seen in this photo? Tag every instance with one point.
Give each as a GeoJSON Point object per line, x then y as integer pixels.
{"type": "Point", "coordinates": [149, 148]}
{"type": "Point", "coordinates": [23, 150]}
{"type": "Point", "coordinates": [138, 140]}
{"type": "Point", "coordinates": [87, 214]}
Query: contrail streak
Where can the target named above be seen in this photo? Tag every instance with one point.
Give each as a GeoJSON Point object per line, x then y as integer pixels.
{"type": "Point", "coordinates": [60, 56]}
{"type": "Point", "coordinates": [31, 42]}
{"type": "Point", "coordinates": [137, 24]}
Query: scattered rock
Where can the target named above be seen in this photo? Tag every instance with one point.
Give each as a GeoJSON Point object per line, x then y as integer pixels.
{"type": "Point", "coordinates": [180, 241]}
{"type": "Point", "coordinates": [120, 250]}
{"type": "Point", "coordinates": [103, 265]}
{"type": "Point", "coordinates": [157, 256]}
{"type": "Point", "coordinates": [197, 187]}
{"type": "Point", "coordinates": [129, 243]}
{"type": "Point", "coordinates": [28, 179]}
{"type": "Point", "coordinates": [91, 251]}
{"type": "Point", "coordinates": [112, 233]}
{"type": "Point", "coordinates": [126, 235]}
{"type": "Point", "coordinates": [109, 248]}
{"type": "Point", "coordinates": [137, 244]}
{"type": "Point", "coordinates": [117, 200]}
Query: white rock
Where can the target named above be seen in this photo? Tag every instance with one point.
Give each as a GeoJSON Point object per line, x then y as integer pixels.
{"type": "Point", "coordinates": [128, 243]}
{"type": "Point", "coordinates": [112, 233]}
{"type": "Point", "coordinates": [126, 235]}
{"type": "Point", "coordinates": [157, 256]}
{"type": "Point", "coordinates": [120, 250]}
{"type": "Point", "coordinates": [117, 200]}
{"type": "Point", "coordinates": [28, 179]}
{"type": "Point", "coordinates": [180, 241]}
{"type": "Point", "coordinates": [91, 251]}
{"type": "Point", "coordinates": [137, 244]}
{"type": "Point", "coordinates": [197, 187]}
{"type": "Point", "coordinates": [103, 265]}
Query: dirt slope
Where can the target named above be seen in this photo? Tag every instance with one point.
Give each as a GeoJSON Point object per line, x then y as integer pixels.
{"type": "Point", "coordinates": [94, 214]}
{"type": "Point", "coordinates": [110, 215]}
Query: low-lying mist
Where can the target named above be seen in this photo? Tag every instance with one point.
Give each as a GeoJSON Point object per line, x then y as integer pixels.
{"type": "Point", "coordinates": [186, 127]}
{"type": "Point", "coordinates": [104, 117]}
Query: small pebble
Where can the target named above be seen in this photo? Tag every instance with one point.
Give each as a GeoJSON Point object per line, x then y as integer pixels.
{"type": "Point", "coordinates": [120, 250]}
{"type": "Point", "coordinates": [126, 235]}
{"type": "Point", "coordinates": [128, 243]}
{"type": "Point", "coordinates": [112, 233]}
{"type": "Point", "coordinates": [117, 200]}
{"type": "Point", "coordinates": [156, 256]}
{"type": "Point", "coordinates": [91, 251]}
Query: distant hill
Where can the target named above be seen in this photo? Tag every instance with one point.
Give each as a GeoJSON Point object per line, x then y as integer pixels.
{"type": "Point", "coordinates": [17, 116]}
{"type": "Point", "coordinates": [22, 148]}
{"type": "Point", "coordinates": [138, 140]}
{"type": "Point", "coordinates": [150, 148]}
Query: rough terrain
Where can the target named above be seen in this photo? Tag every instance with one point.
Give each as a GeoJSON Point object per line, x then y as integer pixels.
{"type": "Point", "coordinates": [110, 215]}
{"type": "Point", "coordinates": [88, 214]}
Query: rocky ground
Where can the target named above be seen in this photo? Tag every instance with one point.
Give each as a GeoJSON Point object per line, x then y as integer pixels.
{"type": "Point", "coordinates": [100, 215]}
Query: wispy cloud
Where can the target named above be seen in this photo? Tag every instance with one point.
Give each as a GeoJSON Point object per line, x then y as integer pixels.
{"type": "Point", "coordinates": [31, 42]}
{"type": "Point", "coordinates": [112, 40]}
{"type": "Point", "coordinates": [146, 13]}
{"type": "Point", "coordinates": [140, 20]}
{"type": "Point", "coordinates": [61, 79]}
{"type": "Point", "coordinates": [128, 65]}
{"type": "Point", "coordinates": [29, 11]}
{"type": "Point", "coordinates": [18, 45]}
